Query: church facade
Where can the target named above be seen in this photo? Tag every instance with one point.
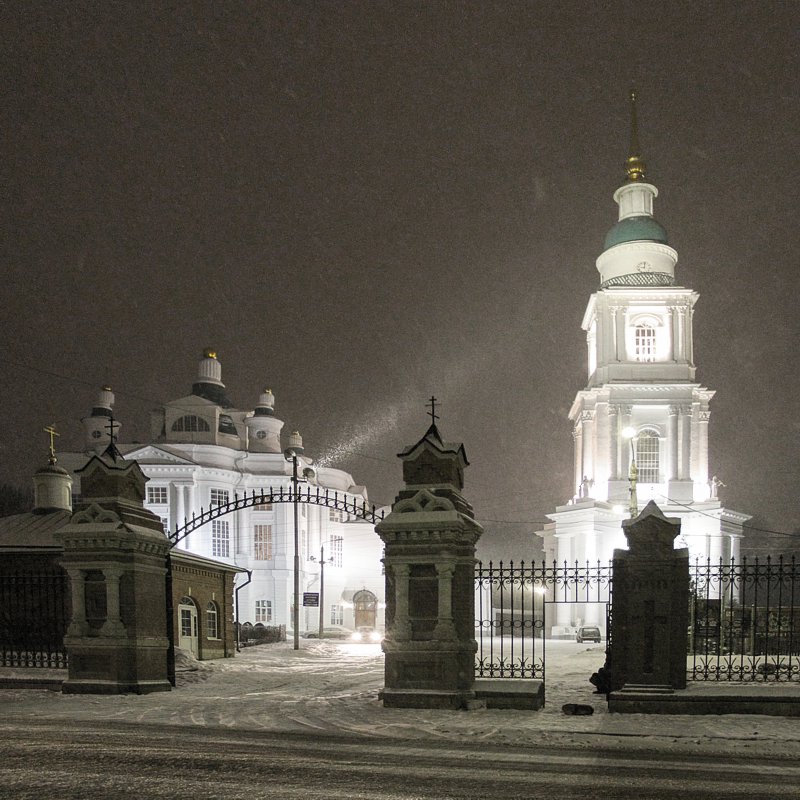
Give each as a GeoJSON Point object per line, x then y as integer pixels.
{"type": "Point", "coordinates": [641, 424]}
{"type": "Point", "coordinates": [204, 453]}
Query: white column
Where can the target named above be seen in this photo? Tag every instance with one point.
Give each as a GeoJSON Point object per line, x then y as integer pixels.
{"type": "Point", "coordinates": [578, 461]}
{"type": "Point", "coordinates": [587, 425]}
{"type": "Point", "coordinates": [613, 442]}
{"type": "Point", "coordinates": [672, 439]}
{"type": "Point", "coordinates": [702, 447]}
{"type": "Point", "coordinates": [686, 441]}
{"type": "Point", "coordinates": [620, 328]}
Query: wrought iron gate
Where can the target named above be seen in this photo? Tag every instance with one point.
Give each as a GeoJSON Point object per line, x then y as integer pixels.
{"type": "Point", "coordinates": [515, 612]}
{"type": "Point", "coordinates": [34, 613]}
{"type": "Point", "coordinates": [744, 620]}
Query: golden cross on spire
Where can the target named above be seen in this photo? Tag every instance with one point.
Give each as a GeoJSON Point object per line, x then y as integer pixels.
{"type": "Point", "coordinates": [51, 429]}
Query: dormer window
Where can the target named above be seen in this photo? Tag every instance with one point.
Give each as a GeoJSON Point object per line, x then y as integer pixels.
{"type": "Point", "coordinates": [190, 422]}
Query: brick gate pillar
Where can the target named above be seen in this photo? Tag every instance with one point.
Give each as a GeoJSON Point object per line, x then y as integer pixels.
{"type": "Point", "coordinates": [429, 539]}
{"type": "Point", "coordinates": [650, 609]}
{"type": "Point", "coordinates": [115, 555]}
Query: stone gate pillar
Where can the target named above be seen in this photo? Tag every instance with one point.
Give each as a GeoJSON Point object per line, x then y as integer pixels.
{"type": "Point", "coordinates": [429, 539]}
{"type": "Point", "coordinates": [650, 610]}
{"type": "Point", "coordinates": [115, 556]}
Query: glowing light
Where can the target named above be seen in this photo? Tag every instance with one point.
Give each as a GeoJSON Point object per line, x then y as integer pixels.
{"type": "Point", "coordinates": [540, 590]}
{"type": "Point", "coordinates": [618, 509]}
{"type": "Point", "coordinates": [629, 433]}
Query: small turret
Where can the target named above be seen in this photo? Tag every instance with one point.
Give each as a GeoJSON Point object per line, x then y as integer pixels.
{"type": "Point", "coordinates": [264, 428]}
{"type": "Point", "coordinates": [52, 485]}
{"type": "Point", "coordinates": [97, 427]}
{"type": "Point", "coordinates": [208, 383]}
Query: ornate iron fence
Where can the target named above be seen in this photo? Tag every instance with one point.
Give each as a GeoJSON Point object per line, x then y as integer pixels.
{"type": "Point", "coordinates": [34, 614]}
{"type": "Point", "coordinates": [512, 619]}
{"type": "Point", "coordinates": [744, 621]}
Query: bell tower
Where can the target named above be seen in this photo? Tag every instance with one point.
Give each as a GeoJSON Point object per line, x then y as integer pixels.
{"type": "Point", "coordinates": [641, 397]}
{"type": "Point", "coordinates": [640, 425]}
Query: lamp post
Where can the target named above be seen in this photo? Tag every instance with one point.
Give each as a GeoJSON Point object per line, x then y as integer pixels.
{"type": "Point", "coordinates": [633, 473]}
{"type": "Point", "coordinates": [292, 451]}
{"type": "Point", "coordinates": [322, 563]}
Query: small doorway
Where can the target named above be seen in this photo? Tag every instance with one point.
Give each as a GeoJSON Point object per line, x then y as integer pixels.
{"type": "Point", "coordinates": [187, 619]}
{"type": "Point", "coordinates": [365, 609]}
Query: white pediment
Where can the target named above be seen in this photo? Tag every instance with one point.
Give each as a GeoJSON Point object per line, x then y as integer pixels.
{"type": "Point", "coordinates": [151, 454]}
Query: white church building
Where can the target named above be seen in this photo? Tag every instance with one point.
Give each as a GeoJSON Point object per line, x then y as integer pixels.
{"type": "Point", "coordinates": [642, 406]}
{"type": "Point", "coordinates": [204, 453]}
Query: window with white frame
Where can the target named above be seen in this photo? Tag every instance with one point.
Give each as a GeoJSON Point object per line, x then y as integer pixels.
{"type": "Point", "coordinates": [644, 342]}
{"type": "Point", "coordinates": [263, 610]}
{"type": "Point", "coordinates": [190, 422]}
{"type": "Point", "coordinates": [157, 495]}
{"type": "Point", "coordinates": [262, 542]}
{"type": "Point", "coordinates": [220, 539]}
{"type": "Point", "coordinates": [337, 615]}
{"type": "Point", "coordinates": [262, 507]}
{"type": "Point", "coordinates": [303, 510]}
{"type": "Point", "coordinates": [212, 621]}
{"type": "Point", "coordinates": [335, 514]}
{"type": "Point", "coordinates": [337, 550]}
{"type": "Point", "coordinates": [219, 497]}
{"type": "Point", "coordinates": [647, 457]}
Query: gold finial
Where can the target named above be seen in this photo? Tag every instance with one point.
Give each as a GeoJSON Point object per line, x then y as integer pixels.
{"type": "Point", "coordinates": [634, 165]}
{"type": "Point", "coordinates": [51, 429]}
{"type": "Point", "coordinates": [209, 353]}
{"type": "Point", "coordinates": [105, 388]}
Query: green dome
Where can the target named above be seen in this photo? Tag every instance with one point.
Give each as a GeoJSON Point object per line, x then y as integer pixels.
{"type": "Point", "coordinates": [635, 229]}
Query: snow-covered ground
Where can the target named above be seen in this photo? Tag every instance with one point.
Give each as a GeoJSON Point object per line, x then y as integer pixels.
{"type": "Point", "coordinates": [332, 687]}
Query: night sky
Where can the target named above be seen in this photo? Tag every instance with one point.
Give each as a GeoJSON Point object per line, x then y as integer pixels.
{"type": "Point", "coordinates": [362, 204]}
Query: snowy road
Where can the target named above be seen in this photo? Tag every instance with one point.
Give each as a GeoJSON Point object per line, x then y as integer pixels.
{"type": "Point", "coordinates": [109, 760]}
{"type": "Point", "coordinates": [279, 723]}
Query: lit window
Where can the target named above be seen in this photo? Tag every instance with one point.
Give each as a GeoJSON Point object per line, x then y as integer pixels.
{"type": "Point", "coordinates": [212, 621]}
{"type": "Point", "coordinates": [644, 343]}
{"type": "Point", "coordinates": [262, 542]}
{"type": "Point", "coordinates": [219, 497]}
{"type": "Point", "coordinates": [220, 539]}
{"type": "Point", "coordinates": [647, 457]}
{"type": "Point", "coordinates": [157, 495]}
{"type": "Point", "coordinates": [190, 422]}
{"type": "Point", "coordinates": [263, 610]}
{"type": "Point", "coordinates": [337, 549]}
{"type": "Point", "coordinates": [337, 615]}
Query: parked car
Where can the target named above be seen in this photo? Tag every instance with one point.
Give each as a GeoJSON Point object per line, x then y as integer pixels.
{"type": "Point", "coordinates": [588, 633]}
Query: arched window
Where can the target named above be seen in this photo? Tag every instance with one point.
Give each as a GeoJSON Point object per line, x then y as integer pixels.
{"type": "Point", "coordinates": [644, 343]}
{"type": "Point", "coordinates": [191, 422]}
{"type": "Point", "coordinates": [647, 457]}
{"type": "Point", "coordinates": [212, 621]}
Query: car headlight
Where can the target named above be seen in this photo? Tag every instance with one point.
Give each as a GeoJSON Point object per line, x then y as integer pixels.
{"type": "Point", "coordinates": [375, 636]}
{"type": "Point", "coordinates": [356, 637]}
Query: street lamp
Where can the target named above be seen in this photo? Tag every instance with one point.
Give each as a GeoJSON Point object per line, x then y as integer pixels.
{"type": "Point", "coordinates": [291, 453]}
{"type": "Point", "coordinates": [633, 473]}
